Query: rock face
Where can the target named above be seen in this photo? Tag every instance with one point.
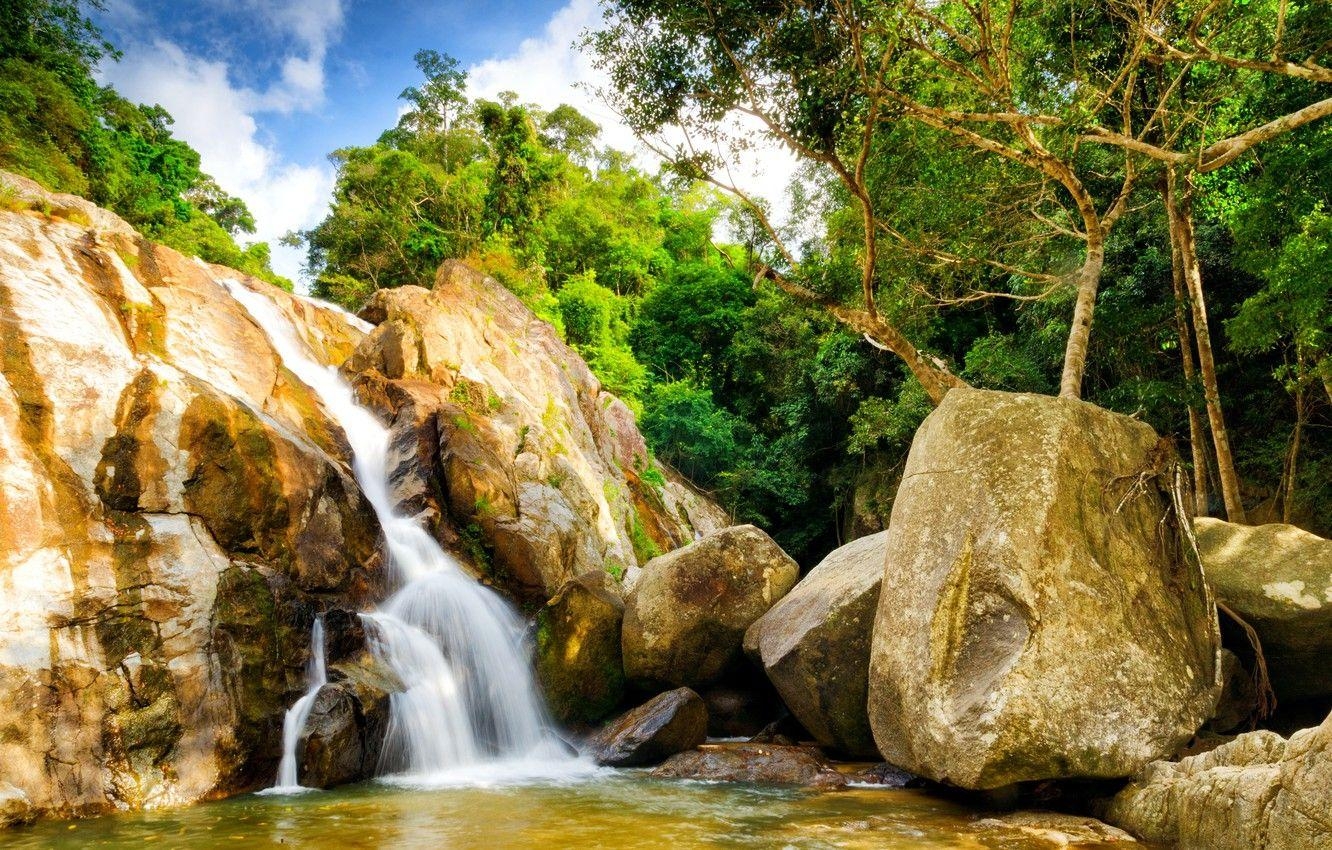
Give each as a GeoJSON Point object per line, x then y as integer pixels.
{"type": "Point", "coordinates": [814, 644]}
{"type": "Point", "coordinates": [664, 725]}
{"type": "Point", "coordinates": [1279, 579]}
{"type": "Point", "coordinates": [578, 658]}
{"type": "Point", "coordinates": [686, 614]}
{"type": "Point", "coordinates": [1258, 790]}
{"type": "Point", "coordinates": [502, 429]}
{"type": "Point", "coordinates": [765, 763]}
{"type": "Point", "coordinates": [1039, 617]}
{"type": "Point", "coordinates": [175, 508]}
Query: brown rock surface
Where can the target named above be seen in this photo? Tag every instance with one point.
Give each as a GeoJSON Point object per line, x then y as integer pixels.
{"type": "Point", "coordinates": [1041, 616]}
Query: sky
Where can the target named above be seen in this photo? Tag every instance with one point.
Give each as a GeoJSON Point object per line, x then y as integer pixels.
{"type": "Point", "coordinates": [266, 90]}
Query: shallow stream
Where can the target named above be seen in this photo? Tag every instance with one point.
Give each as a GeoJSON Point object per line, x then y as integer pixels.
{"type": "Point", "coordinates": [621, 809]}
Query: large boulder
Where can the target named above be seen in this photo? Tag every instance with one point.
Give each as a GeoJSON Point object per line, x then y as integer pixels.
{"type": "Point", "coordinates": [1041, 615]}
{"type": "Point", "coordinates": [504, 438]}
{"type": "Point", "coordinates": [814, 644]}
{"type": "Point", "coordinates": [1279, 579]}
{"type": "Point", "coordinates": [763, 763]}
{"type": "Point", "coordinates": [176, 508]}
{"type": "Point", "coordinates": [1259, 790]}
{"type": "Point", "coordinates": [578, 659]}
{"type": "Point", "coordinates": [686, 614]}
{"type": "Point", "coordinates": [667, 724]}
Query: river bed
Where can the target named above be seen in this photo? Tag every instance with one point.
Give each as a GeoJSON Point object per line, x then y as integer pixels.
{"type": "Point", "coordinates": [613, 809]}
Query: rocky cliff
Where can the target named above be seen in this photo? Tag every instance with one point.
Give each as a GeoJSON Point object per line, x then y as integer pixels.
{"type": "Point", "coordinates": [176, 507]}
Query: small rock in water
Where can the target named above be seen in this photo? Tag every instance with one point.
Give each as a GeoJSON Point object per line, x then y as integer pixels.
{"type": "Point", "coordinates": [1058, 830]}
{"type": "Point", "coordinates": [886, 775]}
{"type": "Point", "coordinates": [15, 809]}
{"type": "Point", "coordinates": [664, 725]}
{"type": "Point", "coordinates": [780, 765]}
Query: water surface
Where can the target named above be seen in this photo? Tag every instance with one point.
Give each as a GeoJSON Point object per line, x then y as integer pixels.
{"type": "Point", "coordinates": [622, 809]}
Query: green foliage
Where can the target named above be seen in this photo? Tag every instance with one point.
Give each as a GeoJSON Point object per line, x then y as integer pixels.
{"type": "Point", "coordinates": [59, 128]}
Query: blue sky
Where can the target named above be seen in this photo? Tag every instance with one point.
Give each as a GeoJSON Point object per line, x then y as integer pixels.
{"type": "Point", "coordinates": [265, 90]}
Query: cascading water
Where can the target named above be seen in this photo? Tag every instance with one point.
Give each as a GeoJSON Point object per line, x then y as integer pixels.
{"type": "Point", "coordinates": [470, 699]}
{"type": "Point", "coordinates": [294, 722]}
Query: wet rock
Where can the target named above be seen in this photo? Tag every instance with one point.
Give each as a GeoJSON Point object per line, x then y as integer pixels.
{"type": "Point", "coordinates": [344, 734]}
{"type": "Point", "coordinates": [886, 775]}
{"type": "Point", "coordinates": [1279, 579]}
{"type": "Point", "coordinates": [344, 635]}
{"type": "Point", "coordinates": [664, 725]}
{"type": "Point", "coordinates": [1259, 790]}
{"type": "Point", "coordinates": [762, 763]}
{"type": "Point", "coordinates": [814, 645]}
{"type": "Point", "coordinates": [578, 659]}
{"type": "Point", "coordinates": [1041, 617]}
{"type": "Point", "coordinates": [687, 612]}
{"type": "Point", "coordinates": [15, 809]}
{"type": "Point", "coordinates": [1057, 830]}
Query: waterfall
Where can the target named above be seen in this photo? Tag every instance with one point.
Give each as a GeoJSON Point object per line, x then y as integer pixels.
{"type": "Point", "coordinates": [470, 700]}
{"type": "Point", "coordinates": [317, 676]}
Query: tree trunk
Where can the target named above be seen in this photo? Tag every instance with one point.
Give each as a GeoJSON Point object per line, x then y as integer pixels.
{"type": "Point", "coordinates": [1197, 440]}
{"type": "Point", "coordinates": [1079, 335]}
{"type": "Point", "coordinates": [1292, 459]}
{"type": "Point", "coordinates": [932, 372]}
{"type": "Point", "coordinates": [1179, 214]}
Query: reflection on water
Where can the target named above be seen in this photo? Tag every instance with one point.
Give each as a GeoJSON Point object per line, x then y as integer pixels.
{"type": "Point", "coordinates": [619, 810]}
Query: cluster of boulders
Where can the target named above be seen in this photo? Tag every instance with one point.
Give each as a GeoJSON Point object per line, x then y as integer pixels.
{"type": "Point", "coordinates": [1038, 609]}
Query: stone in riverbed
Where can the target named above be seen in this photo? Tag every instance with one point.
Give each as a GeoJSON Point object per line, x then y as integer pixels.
{"type": "Point", "coordinates": [1279, 579]}
{"type": "Point", "coordinates": [664, 725]}
{"type": "Point", "coordinates": [687, 613]}
{"type": "Point", "coordinates": [344, 734]}
{"type": "Point", "coordinates": [763, 763]}
{"type": "Point", "coordinates": [15, 809]}
{"type": "Point", "coordinates": [1039, 618]}
{"type": "Point", "coordinates": [578, 659]}
{"type": "Point", "coordinates": [1259, 790]}
{"type": "Point", "coordinates": [814, 644]}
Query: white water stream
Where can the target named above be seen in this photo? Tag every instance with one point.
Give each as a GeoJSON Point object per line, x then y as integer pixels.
{"type": "Point", "coordinates": [471, 710]}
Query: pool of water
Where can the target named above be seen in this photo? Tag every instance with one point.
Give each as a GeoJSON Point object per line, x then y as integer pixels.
{"type": "Point", "coordinates": [620, 809]}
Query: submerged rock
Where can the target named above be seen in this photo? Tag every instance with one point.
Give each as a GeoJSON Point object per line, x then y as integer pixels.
{"type": "Point", "coordinates": [1279, 579]}
{"type": "Point", "coordinates": [814, 644]}
{"type": "Point", "coordinates": [1039, 617]}
{"type": "Point", "coordinates": [578, 659]}
{"type": "Point", "coordinates": [15, 809]}
{"type": "Point", "coordinates": [1057, 830]}
{"type": "Point", "coordinates": [686, 614]}
{"type": "Point", "coordinates": [763, 763]}
{"type": "Point", "coordinates": [664, 725]}
{"type": "Point", "coordinates": [1259, 790]}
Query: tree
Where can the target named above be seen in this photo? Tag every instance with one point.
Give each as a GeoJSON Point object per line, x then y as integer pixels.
{"type": "Point", "coordinates": [831, 80]}
{"type": "Point", "coordinates": [1201, 49]}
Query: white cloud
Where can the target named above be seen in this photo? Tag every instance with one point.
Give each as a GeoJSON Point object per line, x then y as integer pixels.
{"type": "Point", "coordinates": [219, 118]}
{"type": "Point", "coordinates": [549, 70]}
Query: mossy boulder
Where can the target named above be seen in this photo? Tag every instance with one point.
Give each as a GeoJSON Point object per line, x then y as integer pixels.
{"type": "Point", "coordinates": [1279, 579]}
{"type": "Point", "coordinates": [1042, 615]}
{"type": "Point", "coordinates": [578, 661]}
{"type": "Point", "coordinates": [686, 614]}
{"type": "Point", "coordinates": [814, 645]}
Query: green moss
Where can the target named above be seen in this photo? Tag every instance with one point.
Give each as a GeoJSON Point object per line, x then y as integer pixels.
{"type": "Point", "coordinates": [645, 549]}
